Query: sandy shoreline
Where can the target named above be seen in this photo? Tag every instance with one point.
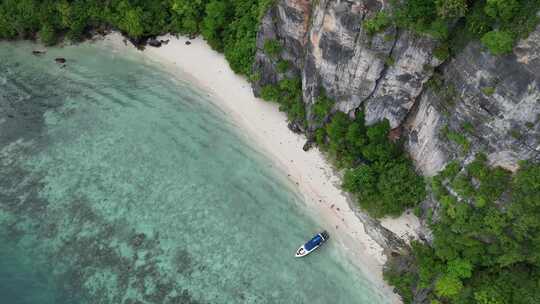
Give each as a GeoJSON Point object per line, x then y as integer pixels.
{"type": "Point", "coordinates": [267, 128]}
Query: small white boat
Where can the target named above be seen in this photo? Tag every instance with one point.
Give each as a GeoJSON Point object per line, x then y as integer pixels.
{"type": "Point", "coordinates": [312, 244]}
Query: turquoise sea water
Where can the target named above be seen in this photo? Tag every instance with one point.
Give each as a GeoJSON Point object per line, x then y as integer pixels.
{"type": "Point", "coordinates": [120, 184]}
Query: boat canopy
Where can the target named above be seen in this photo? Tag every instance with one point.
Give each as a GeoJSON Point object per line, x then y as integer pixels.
{"type": "Point", "coordinates": [314, 242]}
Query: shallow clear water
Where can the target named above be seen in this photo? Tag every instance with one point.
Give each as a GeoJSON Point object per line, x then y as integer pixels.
{"type": "Point", "coordinates": [120, 184]}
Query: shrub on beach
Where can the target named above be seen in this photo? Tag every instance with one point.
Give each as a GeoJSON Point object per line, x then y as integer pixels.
{"type": "Point", "coordinates": [288, 94]}
{"type": "Point", "coordinates": [377, 170]}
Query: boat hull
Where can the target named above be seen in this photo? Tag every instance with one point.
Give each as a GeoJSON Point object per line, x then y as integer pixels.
{"type": "Point", "coordinates": [302, 252]}
{"type": "Point", "coordinates": [312, 245]}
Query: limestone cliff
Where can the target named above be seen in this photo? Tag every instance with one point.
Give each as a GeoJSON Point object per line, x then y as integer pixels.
{"type": "Point", "coordinates": [384, 72]}
{"type": "Point", "coordinates": [493, 101]}
{"type": "Point", "coordinates": [446, 110]}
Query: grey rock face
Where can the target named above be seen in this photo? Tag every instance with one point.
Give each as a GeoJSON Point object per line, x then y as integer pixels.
{"type": "Point", "coordinates": [494, 102]}
{"type": "Point", "coordinates": [429, 153]}
{"type": "Point", "coordinates": [402, 82]}
{"type": "Point", "coordinates": [496, 107]}
{"type": "Point", "coordinates": [287, 22]}
{"type": "Point", "coordinates": [332, 52]}
{"type": "Point", "coordinates": [383, 72]}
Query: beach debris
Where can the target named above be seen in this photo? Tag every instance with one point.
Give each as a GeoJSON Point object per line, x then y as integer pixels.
{"type": "Point", "coordinates": [38, 52]}
{"type": "Point", "coordinates": [188, 42]}
{"type": "Point", "coordinates": [154, 42]}
{"type": "Point", "coordinates": [337, 208]}
{"type": "Point", "coordinates": [332, 206]}
{"type": "Point", "coordinates": [60, 60]}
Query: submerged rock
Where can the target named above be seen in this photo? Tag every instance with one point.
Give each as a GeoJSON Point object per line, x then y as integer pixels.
{"type": "Point", "coordinates": [60, 60]}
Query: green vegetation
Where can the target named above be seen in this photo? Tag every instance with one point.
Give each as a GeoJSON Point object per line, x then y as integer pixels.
{"type": "Point", "coordinates": [228, 26]}
{"type": "Point", "coordinates": [497, 23]}
{"type": "Point", "coordinates": [498, 42]}
{"type": "Point", "coordinates": [442, 52]}
{"type": "Point", "coordinates": [272, 48]}
{"type": "Point", "coordinates": [458, 138]}
{"type": "Point", "coordinates": [283, 66]}
{"type": "Point", "coordinates": [402, 282]}
{"type": "Point", "coordinates": [468, 127]}
{"type": "Point", "coordinates": [389, 61]}
{"type": "Point", "coordinates": [288, 94]}
{"type": "Point", "coordinates": [377, 24]}
{"type": "Point", "coordinates": [516, 134]}
{"type": "Point", "coordinates": [377, 170]}
{"type": "Point", "coordinates": [486, 241]}
{"type": "Point", "coordinates": [451, 8]}
{"type": "Point", "coordinates": [488, 90]}
{"type": "Point", "coordinates": [321, 108]}
{"type": "Point", "coordinates": [446, 91]}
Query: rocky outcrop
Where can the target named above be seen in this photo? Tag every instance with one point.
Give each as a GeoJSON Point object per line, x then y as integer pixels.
{"type": "Point", "coordinates": [287, 22]}
{"type": "Point", "coordinates": [384, 72]}
{"type": "Point", "coordinates": [493, 102]}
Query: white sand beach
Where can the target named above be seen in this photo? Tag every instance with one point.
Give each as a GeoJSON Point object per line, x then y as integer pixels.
{"type": "Point", "coordinates": [267, 128]}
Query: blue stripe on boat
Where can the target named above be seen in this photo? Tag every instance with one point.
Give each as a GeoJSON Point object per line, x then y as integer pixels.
{"type": "Point", "coordinates": [314, 242]}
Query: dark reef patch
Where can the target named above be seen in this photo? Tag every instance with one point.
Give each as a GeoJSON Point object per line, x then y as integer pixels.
{"type": "Point", "coordinates": [72, 235]}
